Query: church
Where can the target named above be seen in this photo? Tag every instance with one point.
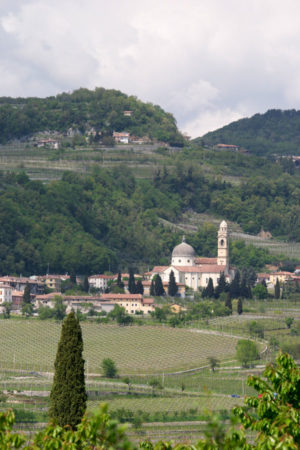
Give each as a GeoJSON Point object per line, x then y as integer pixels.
{"type": "Point", "coordinates": [193, 271]}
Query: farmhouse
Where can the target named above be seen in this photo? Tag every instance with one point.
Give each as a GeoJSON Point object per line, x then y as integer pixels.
{"type": "Point", "coordinates": [195, 272]}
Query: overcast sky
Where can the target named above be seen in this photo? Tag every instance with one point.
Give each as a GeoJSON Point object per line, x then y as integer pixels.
{"type": "Point", "coordinates": [208, 62]}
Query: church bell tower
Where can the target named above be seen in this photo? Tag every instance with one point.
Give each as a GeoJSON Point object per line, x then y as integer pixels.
{"type": "Point", "coordinates": [223, 258]}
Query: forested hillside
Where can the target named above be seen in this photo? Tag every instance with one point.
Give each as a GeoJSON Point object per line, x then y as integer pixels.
{"type": "Point", "coordinates": [275, 132]}
{"type": "Point", "coordinates": [110, 220]}
{"type": "Point", "coordinates": [101, 109]}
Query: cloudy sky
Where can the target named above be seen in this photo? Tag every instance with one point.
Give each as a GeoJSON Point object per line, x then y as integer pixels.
{"type": "Point", "coordinates": [208, 62]}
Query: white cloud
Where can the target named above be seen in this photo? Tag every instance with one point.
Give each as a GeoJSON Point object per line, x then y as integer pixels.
{"type": "Point", "coordinates": [207, 62]}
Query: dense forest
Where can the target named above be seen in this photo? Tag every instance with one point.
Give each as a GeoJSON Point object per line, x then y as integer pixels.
{"type": "Point", "coordinates": [83, 109]}
{"type": "Point", "coordinates": [110, 220]}
{"type": "Point", "coordinates": [275, 132]}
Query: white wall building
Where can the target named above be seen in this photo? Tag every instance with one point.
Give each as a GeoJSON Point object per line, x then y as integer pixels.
{"type": "Point", "coordinates": [195, 272]}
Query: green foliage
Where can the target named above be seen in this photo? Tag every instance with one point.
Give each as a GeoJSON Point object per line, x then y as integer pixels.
{"type": "Point", "coordinates": [68, 396]}
{"type": "Point", "coordinates": [172, 287]}
{"type": "Point", "coordinates": [260, 291]}
{"type": "Point", "coordinates": [289, 322]}
{"type": "Point", "coordinates": [256, 329]}
{"type": "Point", "coordinates": [109, 368]}
{"type": "Point", "coordinates": [271, 132]}
{"type": "Point", "coordinates": [276, 416]}
{"type": "Point", "coordinates": [101, 109]}
{"type": "Point", "coordinates": [246, 352]}
{"type": "Point", "coordinates": [213, 362]}
{"type": "Point", "coordinates": [158, 286]}
{"type": "Point", "coordinates": [277, 289]}
{"type": "Point", "coordinates": [131, 282]}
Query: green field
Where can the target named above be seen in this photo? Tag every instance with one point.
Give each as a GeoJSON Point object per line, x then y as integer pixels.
{"type": "Point", "coordinates": [31, 345]}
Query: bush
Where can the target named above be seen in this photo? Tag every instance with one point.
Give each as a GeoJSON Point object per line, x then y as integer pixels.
{"type": "Point", "coordinates": [109, 368]}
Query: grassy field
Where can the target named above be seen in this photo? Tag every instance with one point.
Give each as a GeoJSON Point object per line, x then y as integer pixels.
{"type": "Point", "coordinates": [31, 344]}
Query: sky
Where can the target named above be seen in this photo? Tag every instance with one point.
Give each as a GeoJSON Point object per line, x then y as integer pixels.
{"type": "Point", "coordinates": [208, 62]}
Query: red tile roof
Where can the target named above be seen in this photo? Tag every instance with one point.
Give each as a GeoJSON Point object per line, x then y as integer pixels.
{"type": "Point", "coordinates": [111, 296]}
{"type": "Point", "coordinates": [206, 260]}
{"type": "Point", "coordinates": [208, 268]}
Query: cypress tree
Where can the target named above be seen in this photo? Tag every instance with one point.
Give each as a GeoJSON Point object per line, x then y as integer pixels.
{"type": "Point", "coordinates": [68, 396]}
{"type": "Point", "coordinates": [73, 276]}
{"type": "Point", "coordinates": [221, 286]}
{"type": "Point", "coordinates": [120, 283]}
{"type": "Point", "coordinates": [86, 285]}
{"type": "Point", "coordinates": [27, 306]}
{"type": "Point", "coordinates": [152, 289]}
{"type": "Point", "coordinates": [228, 302]}
{"type": "Point", "coordinates": [158, 286]}
{"type": "Point", "coordinates": [131, 282]}
{"type": "Point", "coordinates": [210, 289]}
{"type": "Point", "coordinates": [239, 306]}
{"type": "Point", "coordinates": [234, 288]}
{"type": "Point", "coordinates": [139, 287]}
{"type": "Point", "coordinates": [277, 289]}
{"type": "Point", "coordinates": [172, 287]}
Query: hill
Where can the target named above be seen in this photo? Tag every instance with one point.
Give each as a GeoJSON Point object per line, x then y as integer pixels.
{"type": "Point", "coordinates": [274, 132]}
{"type": "Point", "coordinates": [101, 110]}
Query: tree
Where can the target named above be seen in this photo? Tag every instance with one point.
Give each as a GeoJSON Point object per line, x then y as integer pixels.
{"type": "Point", "coordinates": [158, 286]}
{"type": "Point", "coordinates": [109, 368]}
{"type": "Point", "coordinates": [277, 289]}
{"type": "Point", "coordinates": [139, 287]}
{"type": "Point", "coordinates": [172, 287]}
{"type": "Point", "coordinates": [131, 282]}
{"type": "Point", "coordinates": [274, 413]}
{"type": "Point", "coordinates": [120, 283]}
{"type": "Point", "coordinates": [59, 310]}
{"type": "Point", "coordinates": [7, 309]}
{"type": "Point", "coordinates": [27, 306]}
{"type": "Point", "coordinates": [260, 291]}
{"type": "Point", "coordinates": [228, 302]}
{"type": "Point", "coordinates": [73, 276]}
{"type": "Point", "coordinates": [68, 396]}
{"type": "Point", "coordinates": [246, 352]}
{"type": "Point", "coordinates": [210, 289]}
{"type": "Point", "coordinates": [240, 306]}
{"type": "Point", "coordinates": [256, 329]}
{"type": "Point", "coordinates": [221, 286]}
{"type": "Point", "coordinates": [289, 322]}
{"type": "Point", "coordinates": [155, 383]}
{"type": "Point", "coordinates": [213, 362]}
{"type": "Point", "coordinates": [86, 285]}
{"type": "Point", "coordinates": [234, 287]}
{"type": "Point", "coordinates": [152, 288]}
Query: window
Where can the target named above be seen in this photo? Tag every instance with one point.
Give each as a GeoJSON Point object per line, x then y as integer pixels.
{"type": "Point", "coordinates": [222, 242]}
{"type": "Point", "coordinates": [179, 260]}
{"type": "Point", "coordinates": [188, 260]}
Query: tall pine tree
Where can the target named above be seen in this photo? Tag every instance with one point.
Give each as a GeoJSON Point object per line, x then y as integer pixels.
{"type": "Point", "coordinates": [139, 287]}
{"type": "Point", "coordinates": [172, 287]}
{"type": "Point", "coordinates": [68, 396]}
{"type": "Point", "coordinates": [158, 286]}
{"type": "Point", "coordinates": [131, 282]}
{"type": "Point", "coordinates": [152, 287]}
{"type": "Point", "coordinates": [210, 288]}
{"type": "Point", "coordinates": [221, 286]}
{"type": "Point", "coordinates": [277, 289]}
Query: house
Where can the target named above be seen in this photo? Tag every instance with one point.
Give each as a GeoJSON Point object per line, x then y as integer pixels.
{"type": "Point", "coordinates": [5, 293]}
{"type": "Point", "coordinates": [54, 281]}
{"type": "Point", "coordinates": [50, 143]}
{"type": "Point", "coordinates": [283, 277]}
{"type": "Point", "coordinates": [226, 147]}
{"type": "Point", "coordinates": [101, 281]}
{"type": "Point", "coordinates": [127, 113]}
{"type": "Point", "coordinates": [121, 137]}
{"type": "Point", "coordinates": [195, 272]}
{"type": "Point", "coordinates": [132, 303]}
{"type": "Point", "coordinates": [19, 284]}
{"type": "Point", "coordinates": [263, 277]}
{"type": "Point", "coordinates": [17, 300]}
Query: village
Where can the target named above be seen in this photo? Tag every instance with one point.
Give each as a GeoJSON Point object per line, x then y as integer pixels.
{"type": "Point", "coordinates": [187, 273]}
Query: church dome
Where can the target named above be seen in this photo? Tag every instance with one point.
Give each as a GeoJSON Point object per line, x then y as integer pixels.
{"type": "Point", "coordinates": [184, 250]}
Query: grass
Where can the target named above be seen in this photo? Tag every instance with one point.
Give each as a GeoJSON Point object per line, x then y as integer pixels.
{"type": "Point", "coordinates": [32, 344]}
{"type": "Point", "coordinates": [171, 404]}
